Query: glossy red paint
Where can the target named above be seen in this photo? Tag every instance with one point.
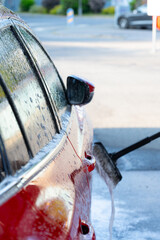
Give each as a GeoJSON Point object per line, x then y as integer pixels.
{"type": "Point", "coordinates": [91, 162]}
{"type": "Point", "coordinates": [42, 210]}
{"type": "Point", "coordinates": [91, 86]}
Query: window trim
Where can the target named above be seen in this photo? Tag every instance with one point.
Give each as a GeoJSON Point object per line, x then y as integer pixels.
{"type": "Point", "coordinates": [5, 161]}
{"type": "Point", "coordinates": [10, 186]}
{"type": "Point", "coordinates": [16, 114]}
{"type": "Point", "coordinates": [37, 71]}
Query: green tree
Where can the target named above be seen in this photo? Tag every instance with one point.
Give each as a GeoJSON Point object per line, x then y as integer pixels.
{"type": "Point", "coordinates": [74, 4]}
{"type": "Point", "coordinates": [49, 4]}
{"type": "Point", "coordinates": [26, 4]}
{"type": "Point", "coordinates": [96, 5]}
{"type": "Point", "coordinates": [135, 3]}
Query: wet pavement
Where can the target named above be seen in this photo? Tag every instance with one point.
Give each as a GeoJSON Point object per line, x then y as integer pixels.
{"type": "Point", "coordinates": [125, 109]}
{"type": "Point", "coordinates": [136, 207]}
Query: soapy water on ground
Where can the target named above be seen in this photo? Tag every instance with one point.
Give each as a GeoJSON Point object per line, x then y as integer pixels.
{"type": "Point", "coordinates": [129, 223]}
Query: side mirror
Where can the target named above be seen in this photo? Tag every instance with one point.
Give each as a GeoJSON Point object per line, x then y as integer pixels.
{"type": "Point", "coordinates": [79, 91]}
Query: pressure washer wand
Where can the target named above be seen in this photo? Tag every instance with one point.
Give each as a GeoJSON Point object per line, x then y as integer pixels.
{"type": "Point", "coordinates": [116, 155]}
{"type": "Point", "coordinates": [106, 162]}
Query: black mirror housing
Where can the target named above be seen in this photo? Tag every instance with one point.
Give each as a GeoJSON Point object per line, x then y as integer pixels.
{"type": "Point", "coordinates": [79, 91]}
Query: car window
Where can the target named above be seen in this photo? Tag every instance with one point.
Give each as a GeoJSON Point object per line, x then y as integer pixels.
{"type": "Point", "coordinates": [12, 146]}
{"type": "Point", "coordinates": [2, 170]}
{"type": "Point", "coordinates": [142, 9]}
{"type": "Point", "coordinates": [48, 71]}
{"type": "Point", "coordinates": [25, 89]}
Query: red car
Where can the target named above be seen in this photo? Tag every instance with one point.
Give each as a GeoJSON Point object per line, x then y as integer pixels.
{"type": "Point", "coordinates": [46, 158]}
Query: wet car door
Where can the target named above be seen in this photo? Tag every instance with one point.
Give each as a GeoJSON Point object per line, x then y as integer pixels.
{"type": "Point", "coordinates": [52, 188]}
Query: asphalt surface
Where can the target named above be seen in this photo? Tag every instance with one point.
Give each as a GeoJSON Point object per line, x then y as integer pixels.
{"type": "Point", "coordinates": [125, 109]}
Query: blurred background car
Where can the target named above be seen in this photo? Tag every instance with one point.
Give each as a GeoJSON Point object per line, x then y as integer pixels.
{"type": "Point", "coordinates": [137, 18]}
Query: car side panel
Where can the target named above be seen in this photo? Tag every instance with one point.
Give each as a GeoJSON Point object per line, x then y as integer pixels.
{"type": "Point", "coordinates": [140, 19]}
{"type": "Point", "coordinates": [51, 205]}
{"type": "Point", "coordinates": [81, 137]}
{"type": "Point", "coordinates": [44, 208]}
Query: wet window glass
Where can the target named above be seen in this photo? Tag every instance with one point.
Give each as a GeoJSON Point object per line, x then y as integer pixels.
{"type": "Point", "coordinates": [2, 173]}
{"type": "Point", "coordinates": [2, 168]}
{"type": "Point", "coordinates": [48, 71]}
{"type": "Point", "coordinates": [19, 76]}
{"type": "Point", "coordinates": [13, 152]}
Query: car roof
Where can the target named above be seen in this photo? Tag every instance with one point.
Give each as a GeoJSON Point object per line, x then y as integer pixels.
{"type": "Point", "coordinates": [6, 13]}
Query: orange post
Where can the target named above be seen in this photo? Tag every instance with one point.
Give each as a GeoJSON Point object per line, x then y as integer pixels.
{"type": "Point", "coordinates": [158, 23]}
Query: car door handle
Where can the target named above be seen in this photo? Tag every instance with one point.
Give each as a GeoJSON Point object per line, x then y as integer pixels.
{"type": "Point", "coordinates": [86, 231]}
{"type": "Point", "coordinates": [89, 162]}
